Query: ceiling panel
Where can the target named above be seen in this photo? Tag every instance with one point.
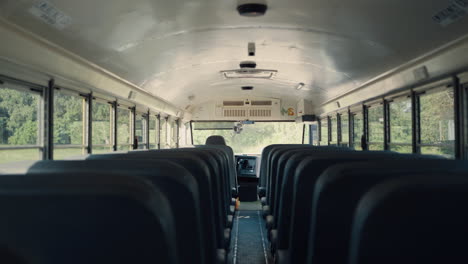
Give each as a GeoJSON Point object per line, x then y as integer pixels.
{"type": "Point", "coordinates": [175, 49]}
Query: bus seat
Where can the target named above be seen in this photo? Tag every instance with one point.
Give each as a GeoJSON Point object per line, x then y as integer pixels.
{"type": "Point", "coordinates": [279, 160]}
{"type": "Point", "coordinates": [229, 155]}
{"type": "Point", "coordinates": [270, 170]}
{"type": "Point", "coordinates": [293, 232]}
{"type": "Point", "coordinates": [338, 191]}
{"type": "Point", "coordinates": [215, 140]}
{"type": "Point", "coordinates": [412, 220]}
{"type": "Point", "coordinates": [210, 195]}
{"type": "Point", "coordinates": [90, 217]}
{"type": "Point", "coordinates": [176, 183]}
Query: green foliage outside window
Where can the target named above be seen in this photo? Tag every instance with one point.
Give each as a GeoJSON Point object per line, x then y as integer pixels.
{"type": "Point", "coordinates": [102, 130]}
{"type": "Point", "coordinates": [18, 117]}
{"type": "Point", "coordinates": [255, 137]}
{"type": "Point", "coordinates": [358, 123]}
{"type": "Point", "coordinates": [437, 122]}
{"type": "Point", "coordinates": [376, 127]}
{"type": "Point", "coordinates": [68, 119]}
{"type": "Point", "coordinates": [345, 129]}
{"type": "Point", "coordinates": [123, 128]}
{"type": "Point", "coordinates": [401, 126]}
{"type": "Point", "coordinates": [324, 132]}
{"type": "Point", "coordinates": [334, 129]}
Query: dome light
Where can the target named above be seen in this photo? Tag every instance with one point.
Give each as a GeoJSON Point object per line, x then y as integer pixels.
{"type": "Point", "coordinates": [252, 10]}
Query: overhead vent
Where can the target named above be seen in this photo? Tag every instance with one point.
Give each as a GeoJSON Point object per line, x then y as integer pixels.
{"type": "Point", "coordinates": [260, 113]}
{"type": "Point", "coordinates": [261, 103]}
{"type": "Point", "coordinates": [233, 103]}
{"type": "Point", "coordinates": [249, 73]}
{"type": "Point", "coordinates": [235, 113]}
{"type": "Point", "coordinates": [247, 88]}
{"type": "Point", "coordinates": [252, 109]}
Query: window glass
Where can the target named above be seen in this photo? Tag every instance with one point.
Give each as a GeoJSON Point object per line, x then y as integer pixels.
{"type": "Point", "coordinates": [102, 129]}
{"type": "Point", "coordinates": [437, 122]}
{"type": "Point", "coordinates": [334, 129]}
{"type": "Point", "coordinates": [314, 131]}
{"type": "Point", "coordinates": [140, 131]}
{"type": "Point", "coordinates": [358, 127]}
{"type": "Point", "coordinates": [171, 134]}
{"type": "Point", "coordinates": [188, 134]}
{"type": "Point", "coordinates": [252, 137]}
{"type": "Point", "coordinates": [345, 129]}
{"type": "Point", "coordinates": [376, 127]}
{"type": "Point", "coordinates": [307, 134]}
{"type": "Point", "coordinates": [163, 132]}
{"type": "Point", "coordinates": [401, 126]}
{"type": "Point", "coordinates": [324, 132]}
{"type": "Point", "coordinates": [68, 125]}
{"type": "Point", "coordinates": [153, 130]}
{"type": "Point", "coordinates": [123, 129]}
{"type": "Point", "coordinates": [19, 124]}
{"type": "Point", "coordinates": [169, 138]}
{"type": "Point", "coordinates": [182, 136]}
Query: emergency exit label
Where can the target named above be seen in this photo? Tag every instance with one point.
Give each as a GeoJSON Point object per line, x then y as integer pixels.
{"type": "Point", "coordinates": [50, 14]}
{"type": "Point", "coordinates": [455, 11]}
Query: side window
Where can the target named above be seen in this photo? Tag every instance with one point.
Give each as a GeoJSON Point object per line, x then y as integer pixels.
{"type": "Point", "coordinates": [314, 131]}
{"type": "Point", "coordinates": [171, 133]}
{"type": "Point", "coordinates": [307, 134]}
{"type": "Point", "coordinates": [102, 129]}
{"type": "Point", "coordinates": [344, 129]}
{"type": "Point", "coordinates": [324, 132]}
{"type": "Point", "coordinates": [140, 130]}
{"type": "Point", "coordinates": [437, 122]}
{"type": "Point", "coordinates": [123, 129]}
{"type": "Point", "coordinates": [163, 133]}
{"type": "Point", "coordinates": [401, 133]}
{"type": "Point", "coordinates": [19, 124]}
{"type": "Point", "coordinates": [188, 133]}
{"type": "Point", "coordinates": [376, 127]}
{"type": "Point", "coordinates": [358, 127]}
{"type": "Point", "coordinates": [334, 130]}
{"type": "Point", "coordinates": [69, 125]}
{"type": "Point", "coordinates": [154, 132]}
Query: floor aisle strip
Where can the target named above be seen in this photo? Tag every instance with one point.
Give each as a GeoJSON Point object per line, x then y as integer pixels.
{"type": "Point", "coordinates": [263, 238]}
{"type": "Point", "coordinates": [237, 237]}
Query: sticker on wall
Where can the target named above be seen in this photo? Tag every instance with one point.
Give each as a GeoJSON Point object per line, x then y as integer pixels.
{"type": "Point", "coordinates": [50, 14]}
{"type": "Point", "coordinates": [283, 111]}
{"type": "Point", "coordinates": [287, 111]}
{"type": "Point", "coordinates": [454, 12]}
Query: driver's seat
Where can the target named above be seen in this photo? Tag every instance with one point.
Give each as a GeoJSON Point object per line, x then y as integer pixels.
{"type": "Point", "coordinates": [215, 140]}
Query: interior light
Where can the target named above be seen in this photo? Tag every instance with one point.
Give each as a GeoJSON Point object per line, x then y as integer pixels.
{"type": "Point", "coordinates": [300, 86]}
{"type": "Point", "coordinates": [252, 10]}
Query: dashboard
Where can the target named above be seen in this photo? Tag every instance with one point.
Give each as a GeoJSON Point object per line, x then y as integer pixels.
{"type": "Point", "coordinates": [247, 166]}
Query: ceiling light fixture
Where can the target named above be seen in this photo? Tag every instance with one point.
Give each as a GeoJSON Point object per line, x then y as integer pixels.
{"type": "Point", "coordinates": [248, 64]}
{"type": "Point", "coordinates": [300, 86]}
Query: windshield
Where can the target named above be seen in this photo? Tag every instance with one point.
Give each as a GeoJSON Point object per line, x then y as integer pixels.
{"type": "Point", "coordinates": [253, 137]}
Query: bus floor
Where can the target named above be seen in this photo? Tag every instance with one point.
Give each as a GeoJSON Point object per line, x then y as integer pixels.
{"type": "Point", "coordinates": [249, 244]}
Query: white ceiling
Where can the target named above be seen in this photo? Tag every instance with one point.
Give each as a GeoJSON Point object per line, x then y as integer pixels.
{"type": "Point", "coordinates": [175, 49]}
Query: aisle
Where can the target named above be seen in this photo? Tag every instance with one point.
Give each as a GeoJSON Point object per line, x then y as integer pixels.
{"type": "Point", "coordinates": [249, 242]}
